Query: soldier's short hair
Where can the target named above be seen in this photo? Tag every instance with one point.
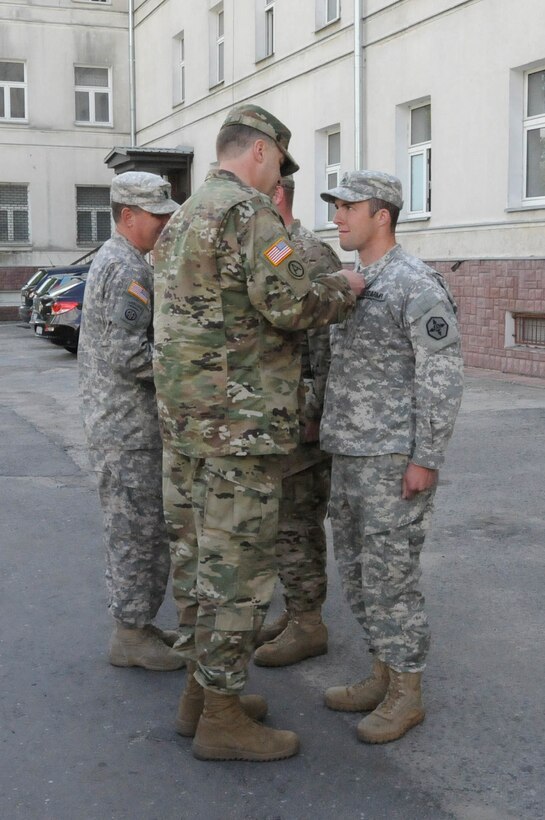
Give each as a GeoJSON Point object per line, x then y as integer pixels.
{"type": "Point", "coordinates": [117, 207]}
{"type": "Point", "coordinates": [376, 205]}
{"type": "Point", "coordinates": [234, 140]}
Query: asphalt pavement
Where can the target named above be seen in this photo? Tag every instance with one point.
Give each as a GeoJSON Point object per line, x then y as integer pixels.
{"type": "Point", "coordinates": [82, 740]}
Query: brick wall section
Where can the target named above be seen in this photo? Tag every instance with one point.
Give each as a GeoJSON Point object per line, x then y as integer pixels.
{"type": "Point", "coordinates": [13, 279]}
{"type": "Point", "coordinates": [485, 290]}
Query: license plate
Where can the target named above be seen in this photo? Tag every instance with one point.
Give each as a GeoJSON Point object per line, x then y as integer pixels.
{"type": "Point", "coordinates": [38, 330]}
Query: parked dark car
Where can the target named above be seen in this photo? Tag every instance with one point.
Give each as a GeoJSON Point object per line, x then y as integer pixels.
{"type": "Point", "coordinates": [62, 315]}
{"type": "Point", "coordinates": [27, 293]}
{"type": "Point", "coordinates": [58, 277]}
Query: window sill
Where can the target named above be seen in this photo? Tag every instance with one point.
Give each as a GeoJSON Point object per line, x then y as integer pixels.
{"type": "Point", "coordinates": [15, 246]}
{"type": "Point", "coordinates": [263, 58]}
{"type": "Point", "coordinates": [322, 26]}
{"type": "Point", "coordinates": [408, 219]}
{"type": "Point", "coordinates": [517, 209]}
{"type": "Point", "coordinates": [94, 124]}
{"type": "Point", "coordinates": [17, 121]}
{"type": "Point", "coordinates": [217, 85]}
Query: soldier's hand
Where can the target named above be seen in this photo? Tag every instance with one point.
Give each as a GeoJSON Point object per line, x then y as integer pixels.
{"type": "Point", "coordinates": [417, 479]}
{"type": "Point", "coordinates": [355, 280]}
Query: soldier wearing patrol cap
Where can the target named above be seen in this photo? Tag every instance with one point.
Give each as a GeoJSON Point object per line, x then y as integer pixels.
{"type": "Point", "coordinates": [394, 389]}
{"type": "Point", "coordinates": [230, 292]}
{"type": "Point", "coordinates": [121, 423]}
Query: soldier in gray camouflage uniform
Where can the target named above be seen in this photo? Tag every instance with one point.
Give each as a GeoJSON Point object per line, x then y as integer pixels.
{"type": "Point", "coordinates": [121, 423]}
{"type": "Point", "coordinates": [394, 390]}
{"type": "Point", "coordinates": [230, 292]}
{"type": "Point", "coordinates": [299, 632]}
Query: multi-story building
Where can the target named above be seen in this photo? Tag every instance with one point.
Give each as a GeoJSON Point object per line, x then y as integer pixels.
{"type": "Point", "coordinates": [448, 95]}
{"type": "Point", "coordinates": [64, 103]}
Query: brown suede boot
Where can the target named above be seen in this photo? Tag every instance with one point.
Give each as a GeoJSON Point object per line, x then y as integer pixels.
{"type": "Point", "coordinates": [401, 709]}
{"type": "Point", "coordinates": [363, 696]}
{"type": "Point", "coordinates": [268, 632]}
{"type": "Point", "coordinates": [192, 701]}
{"type": "Point", "coordinates": [305, 636]}
{"type": "Point", "coordinates": [225, 732]}
{"type": "Point", "coordinates": [142, 647]}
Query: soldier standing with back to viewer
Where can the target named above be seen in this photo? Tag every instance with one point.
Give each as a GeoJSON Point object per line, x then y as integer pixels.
{"type": "Point", "coordinates": [230, 292]}
{"type": "Point", "coordinates": [394, 389]}
{"type": "Point", "coordinates": [301, 549]}
{"type": "Point", "coordinates": [120, 420]}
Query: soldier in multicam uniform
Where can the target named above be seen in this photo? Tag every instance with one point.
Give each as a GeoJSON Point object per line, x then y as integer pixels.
{"type": "Point", "coordinates": [394, 390]}
{"type": "Point", "coordinates": [121, 423]}
{"type": "Point", "coordinates": [301, 550]}
{"type": "Point", "coordinates": [230, 292]}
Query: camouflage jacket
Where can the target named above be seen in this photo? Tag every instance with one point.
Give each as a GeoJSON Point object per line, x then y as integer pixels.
{"type": "Point", "coordinates": [396, 375]}
{"type": "Point", "coordinates": [320, 258]}
{"type": "Point", "coordinates": [230, 292]}
{"type": "Point", "coordinates": [115, 350]}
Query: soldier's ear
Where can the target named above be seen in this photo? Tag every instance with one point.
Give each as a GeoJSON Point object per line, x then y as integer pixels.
{"type": "Point", "coordinates": [259, 150]}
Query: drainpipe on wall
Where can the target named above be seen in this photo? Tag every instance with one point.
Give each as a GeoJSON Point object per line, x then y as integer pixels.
{"type": "Point", "coordinates": [132, 85]}
{"type": "Point", "coordinates": [359, 153]}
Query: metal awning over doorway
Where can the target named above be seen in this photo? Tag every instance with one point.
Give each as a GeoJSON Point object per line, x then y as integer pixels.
{"type": "Point", "coordinates": [172, 163]}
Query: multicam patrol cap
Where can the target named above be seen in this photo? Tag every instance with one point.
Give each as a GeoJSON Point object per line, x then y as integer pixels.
{"type": "Point", "coordinates": [357, 186]}
{"type": "Point", "coordinates": [256, 117]}
{"type": "Point", "coordinates": [148, 191]}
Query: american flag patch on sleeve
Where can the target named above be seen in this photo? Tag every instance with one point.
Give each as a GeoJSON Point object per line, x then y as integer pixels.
{"type": "Point", "coordinates": [137, 290]}
{"type": "Point", "coordinates": [278, 252]}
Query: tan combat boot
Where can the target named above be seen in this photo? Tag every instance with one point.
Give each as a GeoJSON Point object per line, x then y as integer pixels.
{"type": "Point", "coordinates": [305, 636]}
{"type": "Point", "coordinates": [225, 732]}
{"type": "Point", "coordinates": [268, 632]}
{"type": "Point", "coordinates": [401, 709]}
{"type": "Point", "coordinates": [192, 701]}
{"type": "Point", "coordinates": [142, 647]}
{"type": "Point", "coordinates": [363, 696]}
{"type": "Point", "coordinates": [168, 636]}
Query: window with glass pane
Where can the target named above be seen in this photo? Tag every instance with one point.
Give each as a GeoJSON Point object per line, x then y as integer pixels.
{"type": "Point", "coordinates": [332, 10]}
{"type": "Point", "coordinates": [93, 215]}
{"type": "Point", "coordinates": [269, 28]}
{"type": "Point", "coordinates": [93, 103]}
{"type": "Point", "coordinates": [534, 126]}
{"type": "Point", "coordinates": [333, 167]}
{"type": "Point", "coordinates": [182, 69]}
{"type": "Point", "coordinates": [420, 160]}
{"type": "Point", "coordinates": [12, 90]}
{"type": "Point", "coordinates": [220, 45]}
{"type": "Point", "coordinates": [14, 213]}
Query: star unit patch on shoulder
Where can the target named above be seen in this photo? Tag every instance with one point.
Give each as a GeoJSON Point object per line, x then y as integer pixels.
{"type": "Point", "coordinates": [135, 289]}
{"type": "Point", "coordinates": [437, 327]}
{"type": "Point", "coordinates": [277, 252]}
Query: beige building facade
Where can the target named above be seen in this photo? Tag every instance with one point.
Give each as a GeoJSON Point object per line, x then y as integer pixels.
{"type": "Point", "coordinates": [447, 94]}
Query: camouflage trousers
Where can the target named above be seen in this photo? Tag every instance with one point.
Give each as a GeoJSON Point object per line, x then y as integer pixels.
{"type": "Point", "coordinates": [377, 539]}
{"type": "Point", "coordinates": [301, 550]}
{"type": "Point", "coordinates": [222, 519]}
{"type": "Point", "coordinates": [135, 537]}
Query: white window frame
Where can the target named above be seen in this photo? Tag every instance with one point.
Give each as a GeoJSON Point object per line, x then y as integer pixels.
{"type": "Point", "coordinates": [216, 47]}
{"type": "Point", "coordinates": [324, 15]}
{"type": "Point", "coordinates": [178, 69]}
{"type": "Point", "coordinates": [331, 169]}
{"type": "Point", "coordinates": [530, 123]}
{"type": "Point", "coordinates": [10, 209]}
{"type": "Point", "coordinates": [93, 210]}
{"type": "Point", "coordinates": [7, 85]}
{"type": "Point", "coordinates": [91, 90]}
{"type": "Point", "coordinates": [423, 150]}
{"type": "Point", "coordinates": [264, 29]}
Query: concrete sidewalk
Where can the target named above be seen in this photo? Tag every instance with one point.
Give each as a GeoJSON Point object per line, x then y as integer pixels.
{"type": "Point", "coordinates": [83, 740]}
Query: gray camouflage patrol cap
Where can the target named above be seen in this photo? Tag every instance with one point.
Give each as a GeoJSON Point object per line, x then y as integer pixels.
{"type": "Point", "coordinates": [255, 117]}
{"type": "Point", "coordinates": [148, 191]}
{"type": "Point", "coordinates": [357, 186]}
